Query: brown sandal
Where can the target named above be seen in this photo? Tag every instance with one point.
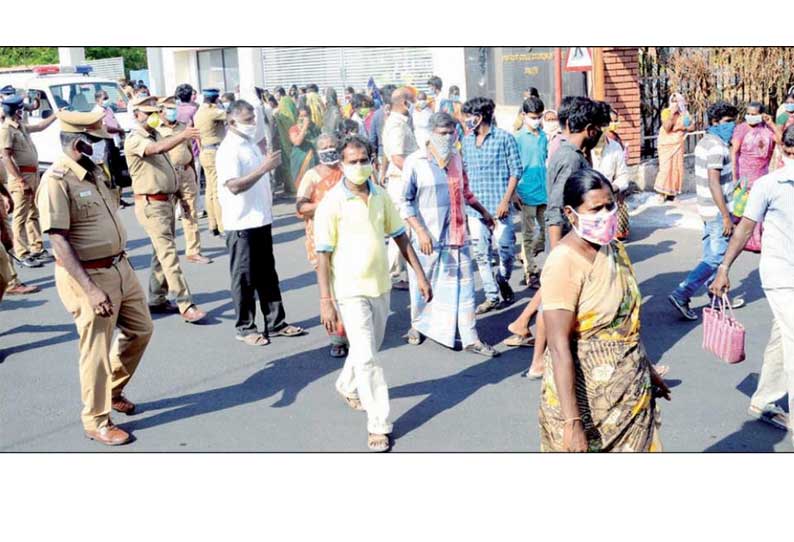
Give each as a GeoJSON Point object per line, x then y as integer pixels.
{"type": "Point", "coordinates": [378, 443]}
{"type": "Point", "coordinates": [253, 339]}
{"type": "Point", "coordinates": [353, 402]}
{"type": "Point", "coordinates": [515, 341]}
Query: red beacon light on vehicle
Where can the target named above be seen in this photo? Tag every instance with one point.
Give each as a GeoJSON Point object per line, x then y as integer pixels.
{"type": "Point", "coordinates": [52, 69]}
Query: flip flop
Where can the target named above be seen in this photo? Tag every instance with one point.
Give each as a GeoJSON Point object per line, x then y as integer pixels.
{"type": "Point", "coordinates": [352, 402]}
{"type": "Point", "coordinates": [253, 339]}
{"type": "Point", "coordinates": [338, 351]}
{"type": "Point", "coordinates": [516, 341]}
{"type": "Point", "coordinates": [289, 331]}
{"type": "Point", "coordinates": [378, 443]}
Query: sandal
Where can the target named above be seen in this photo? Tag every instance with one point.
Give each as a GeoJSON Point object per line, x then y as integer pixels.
{"type": "Point", "coordinates": [414, 337]}
{"type": "Point", "coordinates": [378, 443]}
{"type": "Point", "coordinates": [533, 282]}
{"type": "Point", "coordinates": [771, 414]}
{"type": "Point", "coordinates": [661, 370]}
{"type": "Point", "coordinates": [529, 375]}
{"type": "Point", "coordinates": [253, 339]}
{"type": "Point", "coordinates": [338, 351]}
{"type": "Point", "coordinates": [352, 402]}
{"type": "Point", "coordinates": [516, 341]}
{"type": "Point", "coordinates": [482, 349]}
{"type": "Point", "coordinates": [289, 331]}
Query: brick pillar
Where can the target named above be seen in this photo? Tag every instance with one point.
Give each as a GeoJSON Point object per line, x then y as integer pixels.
{"type": "Point", "coordinates": [622, 92]}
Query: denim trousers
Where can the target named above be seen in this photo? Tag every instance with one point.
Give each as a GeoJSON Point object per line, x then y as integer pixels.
{"type": "Point", "coordinates": [504, 237]}
{"type": "Point", "coordinates": [715, 244]}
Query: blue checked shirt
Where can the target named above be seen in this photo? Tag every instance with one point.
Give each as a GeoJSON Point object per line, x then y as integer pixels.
{"type": "Point", "coordinates": [490, 166]}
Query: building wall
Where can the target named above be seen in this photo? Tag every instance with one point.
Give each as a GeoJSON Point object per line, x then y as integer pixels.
{"type": "Point", "coordinates": [622, 91]}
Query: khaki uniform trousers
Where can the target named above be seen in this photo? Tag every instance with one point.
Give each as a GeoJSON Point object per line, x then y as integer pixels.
{"type": "Point", "coordinates": [188, 186]}
{"type": "Point", "coordinates": [6, 271]}
{"type": "Point", "coordinates": [106, 365]}
{"type": "Point", "coordinates": [159, 222]}
{"type": "Point", "coordinates": [207, 160]}
{"type": "Point", "coordinates": [25, 224]}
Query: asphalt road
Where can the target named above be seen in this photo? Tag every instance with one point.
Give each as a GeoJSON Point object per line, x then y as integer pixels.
{"type": "Point", "coordinates": [199, 390]}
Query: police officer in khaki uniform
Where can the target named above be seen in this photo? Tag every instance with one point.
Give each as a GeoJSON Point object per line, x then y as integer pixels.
{"type": "Point", "coordinates": [210, 119]}
{"type": "Point", "coordinates": [182, 158]}
{"type": "Point", "coordinates": [95, 282]}
{"type": "Point", "coordinates": [21, 162]}
{"type": "Point", "coordinates": [156, 188]}
{"type": "Point", "coordinates": [12, 284]}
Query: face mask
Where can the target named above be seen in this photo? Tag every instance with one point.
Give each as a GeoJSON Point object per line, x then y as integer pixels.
{"type": "Point", "coordinates": [85, 148]}
{"type": "Point", "coordinates": [143, 95]}
{"type": "Point", "coordinates": [455, 98]}
{"type": "Point", "coordinates": [442, 143]}
{"type": "Point", "coordinates": [723, 131]}
{"type": "Point", "coordinates": [687, 121]}
{"type": "Point", "coordinates": [421, 104]}
{"type": "Point", "coordinates": [356, 173]}
{"type": "Point", "coordinates": [472, 123]}
{"type": "Point", "coordinates": [105, 103]}
{"type": "Point", "coordinates": [591, 142]}
{"type": "Point", "coordinates": [752, 120]}
{"type": "Point", "coordinates": [613, 126]}
{"type": "Point", "coordinates": [153, 121]}
{"type": "Point", "coordinates": [532, 123]}
{"type": "Point", "coordinates": [599, 228]}
{"type": "Point", "coordinates": [170, 115]}
{"type": "Point", "coordinates": [789, 108]}
{"type": "Point", "coordinates": [225, 106]}
{"type": "Point", "coordinates": [363, 112]}
{"type": "Point", "coordinates": [329, 157]}
{"type": "Point", "coordinates": [248, 130]}
{"type": "Point", "coordinates": [551, 126]}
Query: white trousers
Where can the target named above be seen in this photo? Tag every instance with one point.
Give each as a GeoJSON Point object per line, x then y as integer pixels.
{"type": "Point", "coordinates": [777, 372]}
{"type": "Point", "coordinates": [364, 319]}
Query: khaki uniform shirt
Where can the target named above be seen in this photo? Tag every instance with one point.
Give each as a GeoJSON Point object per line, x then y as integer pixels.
{"type": "Point", "coordinates": [15, 136]}
{"type": "Point", "coordinates": [152, 174]}
{"type": "Point", "coordinates": [182, 154]}
{"type": "Point", "coordinates": [211, 121]}
{"type": "Point", "coordinates": [78, 200]}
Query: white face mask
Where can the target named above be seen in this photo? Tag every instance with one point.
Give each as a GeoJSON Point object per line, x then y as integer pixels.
{"type": "Point", "coordinates": [532, 123]}
{"type": "Point", "coordinates": [752, 120]}
{"type": "Point", "coordinates": [248, 130]}
{"type": "Point", "coordinates": [788, 162]}
{"type": "Point", "coordinates": [551, 126]}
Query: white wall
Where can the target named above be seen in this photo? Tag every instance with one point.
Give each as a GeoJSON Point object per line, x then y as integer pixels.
{"type": "Point", "coordinates": [154, 60]}
{"type": "Point", "coordinates": [449, 63]}
{"type": "Point", "coordinates": [71, 56]}
{"type": "Point", "coordinates": [252, 68]}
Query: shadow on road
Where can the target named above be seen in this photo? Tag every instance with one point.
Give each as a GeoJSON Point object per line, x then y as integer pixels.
{"type": "Point", "coordinates": [754, 436]}
{"type": "Point", "coordinates": [67, 334]}
{"type": "Point", "coordinates": [286, 376]}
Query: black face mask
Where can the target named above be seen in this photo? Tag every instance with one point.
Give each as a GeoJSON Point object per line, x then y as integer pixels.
{"type": "Point", "coordinates": [591, 142]}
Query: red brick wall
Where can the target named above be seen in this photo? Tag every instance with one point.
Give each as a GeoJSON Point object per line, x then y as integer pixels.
{"type": "Point", "coordinates": [622, 91]}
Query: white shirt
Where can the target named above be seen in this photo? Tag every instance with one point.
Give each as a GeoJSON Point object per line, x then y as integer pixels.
{"type": "Point", "coordinates": [771, 201]}
{"type": "Point", "coordinates": [612, 164]}
{"type": "Point", "coordinates": [237, 157]}
{"type": "Point", "coordinates": [422, 125]}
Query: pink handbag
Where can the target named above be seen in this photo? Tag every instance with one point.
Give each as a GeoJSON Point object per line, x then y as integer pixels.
{"type": "Point", "coordinates": [754, 243]}
{"type": "Point", "coordinates": [722, 334]}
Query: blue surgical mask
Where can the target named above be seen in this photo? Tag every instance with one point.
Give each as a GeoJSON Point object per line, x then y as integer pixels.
{"type": "Point", "coordinates": [723, 131]}
{"type": "Point", "coordinates": [789, 108]}
{"type": "Point", "coordinates": [170, 115]}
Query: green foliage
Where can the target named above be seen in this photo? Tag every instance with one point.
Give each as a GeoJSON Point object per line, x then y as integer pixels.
{"type": "Point", "coordinates": [27, 56]}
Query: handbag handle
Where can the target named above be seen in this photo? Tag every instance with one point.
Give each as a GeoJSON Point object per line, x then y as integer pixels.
{"type": "Point", "coordinates": [725, 302]}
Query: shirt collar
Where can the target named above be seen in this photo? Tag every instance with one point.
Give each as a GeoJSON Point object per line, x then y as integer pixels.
{"type": "Point", "coordinates": [350, 195]}
{"type": "Point", "coordinates": [74, 167]}
{"type": "Point", "coordinates": [12, 122]}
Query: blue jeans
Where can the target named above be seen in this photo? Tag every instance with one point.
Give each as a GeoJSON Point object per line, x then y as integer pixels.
{"type": "Point", "coordinates": [715, 244]}
{"type": "Point", "coordinates": [504, 236]}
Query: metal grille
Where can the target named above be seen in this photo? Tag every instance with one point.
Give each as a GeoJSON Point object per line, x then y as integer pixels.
{"type": "Point", "coordinates": [339, 67]}
{"type": "Point", "coordinates": [112, 68]}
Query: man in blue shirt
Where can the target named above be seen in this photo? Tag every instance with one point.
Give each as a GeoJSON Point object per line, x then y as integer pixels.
{"type": "Point", "coordinates": [493, 166]}
{"type": "Point", "coordinates": [533, 149]}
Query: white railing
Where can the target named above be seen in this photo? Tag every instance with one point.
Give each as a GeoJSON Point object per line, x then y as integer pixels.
{"type": "Point", "coordinates": [691, 140]}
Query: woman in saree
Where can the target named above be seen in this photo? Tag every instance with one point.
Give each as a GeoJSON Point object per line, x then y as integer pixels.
{"type": "Point", "coordinates": [332, 120]}
{"type": "Point", "coordinates": [783, 119]}
{"type": "Point", "coordinates": [312, 189]}
{"type": "Point", "coordinates": [285, 115]}
{"type": "Point", "coordinates": [599, 387]}
{"type": "Point", "coordinates": [676, 123]}
{"type": "Point", "coordinates": [302, 136]}
{"type": "Point", "coordinates": [753, 144]}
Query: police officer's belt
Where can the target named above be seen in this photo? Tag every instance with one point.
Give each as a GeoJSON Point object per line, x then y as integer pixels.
{"type": "Point", "coordinates": [155, 197]}
{"type": "Point", "coordinates": [101, 263]}
{"type": "Point", "coordinates": [210, 147]}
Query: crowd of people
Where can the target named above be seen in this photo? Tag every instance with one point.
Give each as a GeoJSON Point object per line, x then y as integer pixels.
{"type": "Point", "coordinates": [398, 188]}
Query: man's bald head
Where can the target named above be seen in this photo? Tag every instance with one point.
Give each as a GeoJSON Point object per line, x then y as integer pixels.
{"type": "Point", "coordinates": [400, 100]}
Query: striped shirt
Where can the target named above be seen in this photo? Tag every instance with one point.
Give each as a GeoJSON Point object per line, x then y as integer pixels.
{"type": "Point", "coordinates": [490, 166]}
{"type": "Point", "coordinates": [712, 153]}
{"type": "Point", "coordinates": [772, 201]}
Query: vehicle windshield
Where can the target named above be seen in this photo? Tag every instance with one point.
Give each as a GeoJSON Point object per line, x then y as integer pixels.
{"type": "Point", "coordinates": [82, 96]}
